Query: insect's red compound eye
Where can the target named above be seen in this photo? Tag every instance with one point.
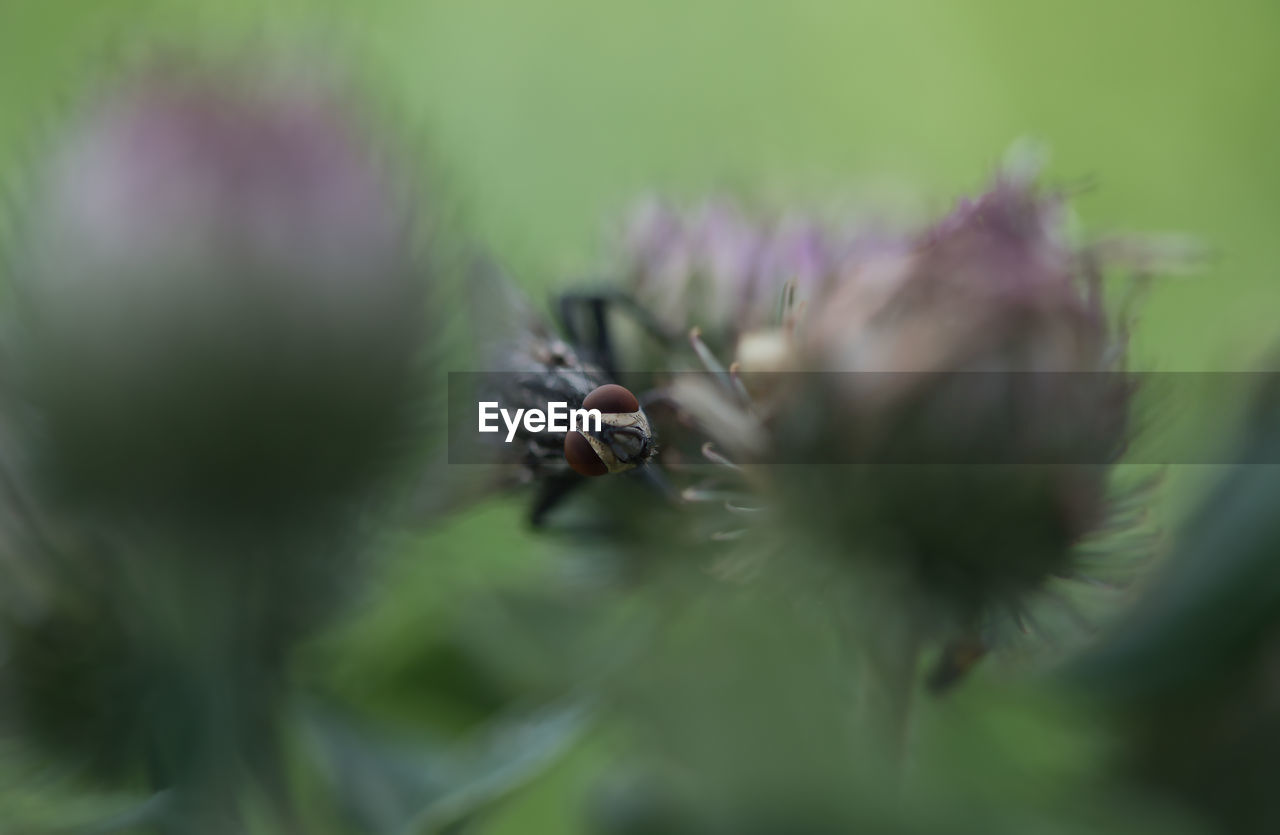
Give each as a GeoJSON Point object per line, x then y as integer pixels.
{"type": "Point", "coordinates": [582, 456]}
{"type": "Point", "coordinates": [612, 399]}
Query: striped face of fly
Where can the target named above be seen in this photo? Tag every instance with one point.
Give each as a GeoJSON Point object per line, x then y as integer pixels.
{"type": "Point", "coordinates": [624, 441]}
{"type": "Point", "coordinates": [550, 370]}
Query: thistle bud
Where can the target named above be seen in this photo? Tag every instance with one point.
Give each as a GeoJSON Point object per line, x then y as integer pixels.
{"type": "Point", "coordinates": [982, 357]}
{"type": "Point", "coordinates": [992, 284]}
{"type": "Point", "coordinates": [946, 403]}
{"type": "Point", "coordinates": [219, 297]}
{"type": "Point", "coordinates": [218, 314]}
{"type": "Point", "coordinates": [717, 267]}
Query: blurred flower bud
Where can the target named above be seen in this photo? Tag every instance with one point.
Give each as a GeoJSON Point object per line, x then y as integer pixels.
{"type": "Point", "coordinates": [947, 404]}
{"type": "Point", "coordinates": [994, 284]}
{"type": "Point", "coordinates": [220, 309]}
{"type": "Point", "coordinates": [976, 401]}
{"type": "Point", "coordinates": [220, 302]}
{"type": "Point", "coordinates": [715, 267]}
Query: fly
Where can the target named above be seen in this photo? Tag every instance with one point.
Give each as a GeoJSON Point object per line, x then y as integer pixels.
{"type": "Point", "coordinates": [579, 369]}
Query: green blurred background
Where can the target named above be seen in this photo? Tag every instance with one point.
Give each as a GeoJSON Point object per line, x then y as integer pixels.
{"type": "Point", "coordinates": [544, 119]}
{"type": "Point", "coordinates": [547, 116]}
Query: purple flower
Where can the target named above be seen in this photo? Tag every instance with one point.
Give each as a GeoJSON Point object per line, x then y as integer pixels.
{"type": "Point", "coordinates": [716, 266]}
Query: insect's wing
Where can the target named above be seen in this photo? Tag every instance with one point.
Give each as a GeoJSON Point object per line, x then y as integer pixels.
{"type": "Point", "coordinates": [507, 350]}
{"type": "Point", "coordinates": [505, 320]}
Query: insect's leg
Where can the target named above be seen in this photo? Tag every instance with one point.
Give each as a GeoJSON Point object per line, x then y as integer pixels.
{"type": "Point", "coordinates": [598, 341]}
{"type": "Point", "coordinates": [578, 309]}
{"type": "Point", "coordinates": [638, 313]}
{"type": "Point", "coordinates": [653, 478]}
{"type": "Point", "coordinates": [958, 657]}
{"type": "Point", "coordinates": [551, 492]}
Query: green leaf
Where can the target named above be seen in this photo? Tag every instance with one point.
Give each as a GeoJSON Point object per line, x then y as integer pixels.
{"type": "Point", "coordinates": [389, 785]}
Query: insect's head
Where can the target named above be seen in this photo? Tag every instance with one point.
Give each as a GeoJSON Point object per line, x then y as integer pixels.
{"type": "Point", "coordinates": [624, 441]}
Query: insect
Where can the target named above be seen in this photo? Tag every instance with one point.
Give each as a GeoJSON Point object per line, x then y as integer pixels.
{"type": "Point", "coordinates": [579, 369]}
